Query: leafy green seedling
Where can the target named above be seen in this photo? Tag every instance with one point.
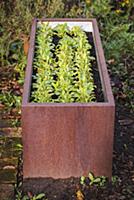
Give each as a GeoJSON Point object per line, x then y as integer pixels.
{"type": "Point", "coordinates": [43, 63]}
{"type": "Point", "coordinates": [82, 180]}
{"type": "Point", "coordinates": [26, 197]}
{"type": "Point", "coordinates": [100, 181]}
{"type": "Point", "coordinates": [114, 179]}
{"type": "Point", "coordinates": [19, 147]}
{"type": "Point", "coordinates": [39, 196]}
{"type": "Point", "coordinates": [63, 69]}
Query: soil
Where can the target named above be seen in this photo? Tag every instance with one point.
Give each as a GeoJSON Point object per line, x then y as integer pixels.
{"type": "Point", "coordinates": [123, 168]}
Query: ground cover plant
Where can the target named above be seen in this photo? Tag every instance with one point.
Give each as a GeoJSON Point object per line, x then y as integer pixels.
{"type": "Point", "coordinates": [116, 24]}
{"type": "Point", "coordinates": [62, 76]}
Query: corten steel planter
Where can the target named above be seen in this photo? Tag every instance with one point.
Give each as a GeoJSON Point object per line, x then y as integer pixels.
{"type": "Point", "coordinates": [68, 139]}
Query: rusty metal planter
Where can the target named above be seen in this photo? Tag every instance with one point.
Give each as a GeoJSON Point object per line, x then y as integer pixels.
{"type": "Point", "coordinates": [68, 139]}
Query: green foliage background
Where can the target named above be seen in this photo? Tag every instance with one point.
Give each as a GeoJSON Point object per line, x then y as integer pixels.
{"type": "Point", "coordinates": [116, 24]}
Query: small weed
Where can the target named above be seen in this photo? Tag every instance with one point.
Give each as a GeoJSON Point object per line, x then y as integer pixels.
{"type": "Point", "coordinates": [40, 196]}
{"type": "Point", "coordinates": [19, 147]}
{"type": "Point", "coordinates": [29, 196]}
{"type": "Point", "coordinates": [114, 179]}
{"type": "Point", "coordinates": [20, 68]}
{"type": "Point", "coordinates": [99, 181]}
{"type": "Point", "coordinates": [35, 197]}
{"type": "Point", "coordinates": [82, 180]}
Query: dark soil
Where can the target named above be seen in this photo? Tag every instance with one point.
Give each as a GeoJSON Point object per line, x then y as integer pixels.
{"type": "Point", "coordinates": [96, 76]}
{"type": "Point", "coordinates": [123, 168]}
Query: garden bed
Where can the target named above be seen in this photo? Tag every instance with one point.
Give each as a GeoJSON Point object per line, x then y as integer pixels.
{"type": "Point", "coordinates": [68, 139]}
{"type": "Point", "coordinates": [56, 39]}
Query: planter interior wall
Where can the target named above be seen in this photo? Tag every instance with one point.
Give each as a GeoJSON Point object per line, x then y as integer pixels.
{"type": "Point", "coordinates": [68, 139]}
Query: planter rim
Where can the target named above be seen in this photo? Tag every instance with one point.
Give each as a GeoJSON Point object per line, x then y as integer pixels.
{"type": "Point", "coordinates": [92, 104]}
{"type": "Point", "coordinates": [66, 19]}
{"type": "Point", "coordinates": [107, 91]}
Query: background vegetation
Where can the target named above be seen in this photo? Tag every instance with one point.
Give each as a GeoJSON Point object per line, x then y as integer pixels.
{"type": "Point", "coordinates": [116, 24]}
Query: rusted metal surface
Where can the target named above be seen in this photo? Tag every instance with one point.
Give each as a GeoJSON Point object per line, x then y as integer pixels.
{"type": "Point", "coordinates": [68, 139]}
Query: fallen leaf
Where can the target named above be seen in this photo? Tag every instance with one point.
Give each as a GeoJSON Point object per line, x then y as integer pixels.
{"type": "Point", "coordinates": [124, 122]}
{"type": "Point", "coordinates": [111, 61]}
{"type": "Point", "coordinates": [30, 194]}
{"type": "Point", "coordinates": [79, 195]}
{"type": "Point", "coordinates": [9, 167]}
{"type": "Point", "coordinates": [26, 45]}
